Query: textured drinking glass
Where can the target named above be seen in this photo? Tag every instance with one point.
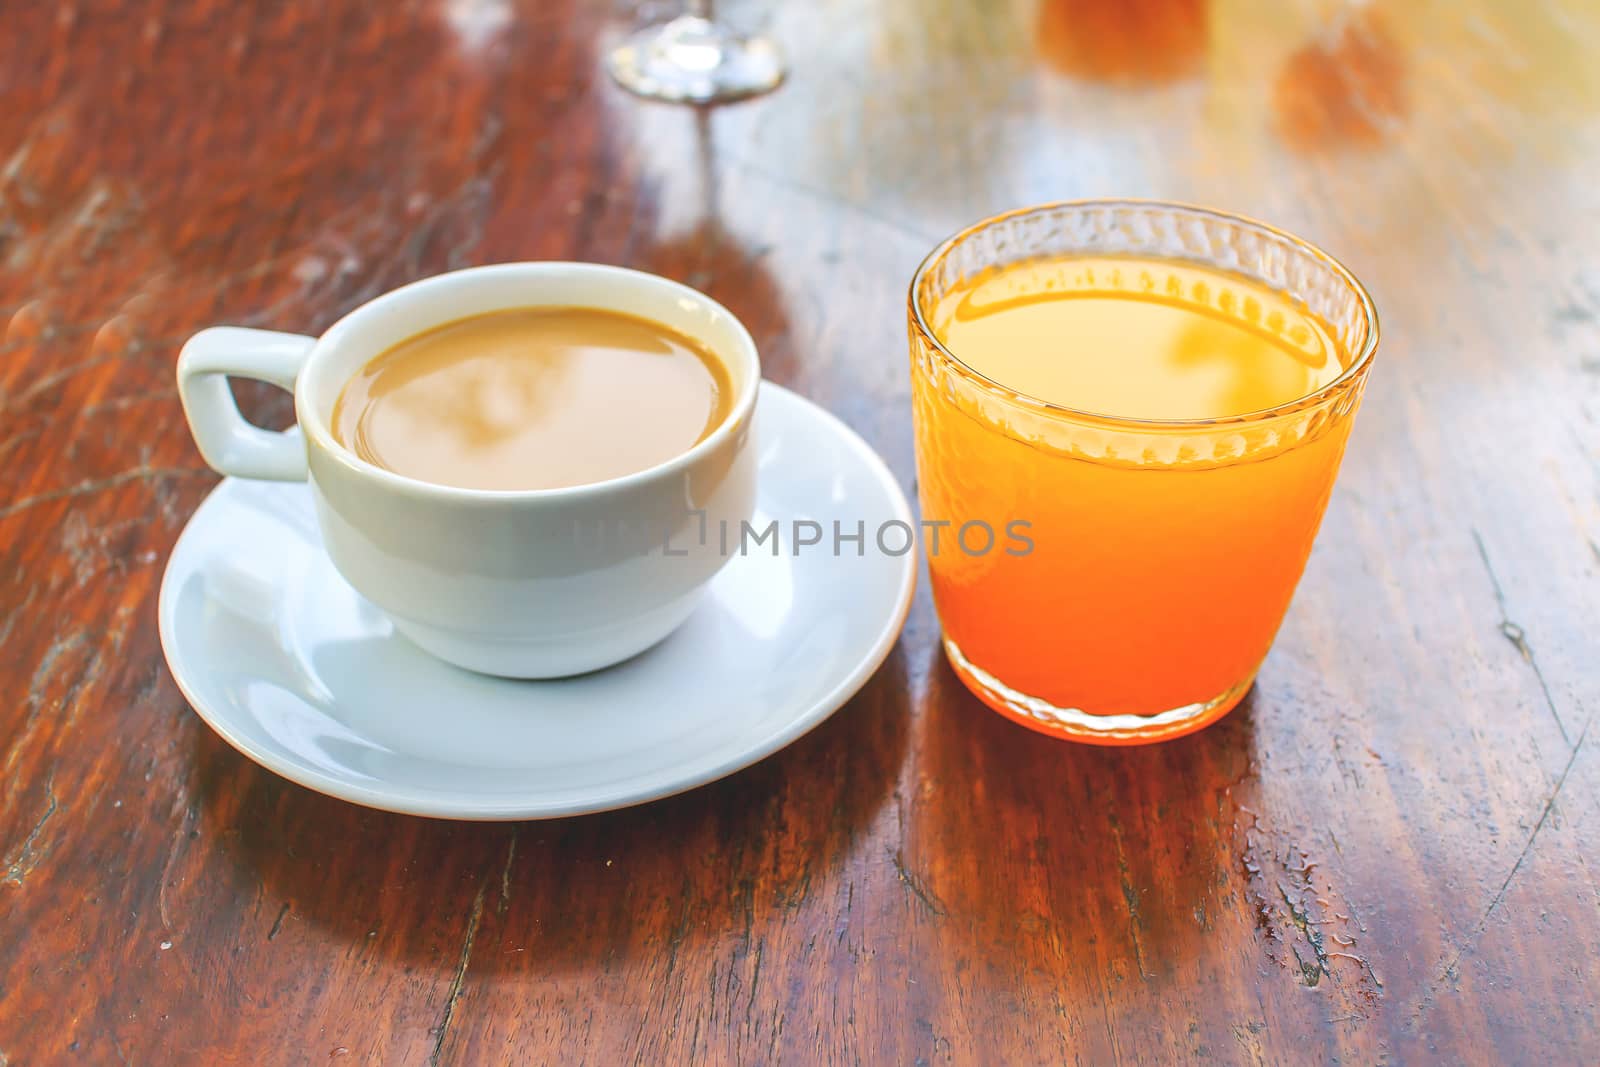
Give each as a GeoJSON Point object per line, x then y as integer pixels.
{"type": "Point", "coordinates": [1164, 552]}
{"type": "Point", "coordinates": [695, 59]}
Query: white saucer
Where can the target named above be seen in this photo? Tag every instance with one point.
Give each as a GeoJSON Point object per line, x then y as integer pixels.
{"type": "Point", "coordinates": [295, 670]}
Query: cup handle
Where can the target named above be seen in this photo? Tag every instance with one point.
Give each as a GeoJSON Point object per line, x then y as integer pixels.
{"type": "Point", "coordinates": [229, 443]}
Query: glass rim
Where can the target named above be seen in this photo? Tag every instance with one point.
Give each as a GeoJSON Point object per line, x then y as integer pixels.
{"type": "Point", "coordinates": [1343, 383]}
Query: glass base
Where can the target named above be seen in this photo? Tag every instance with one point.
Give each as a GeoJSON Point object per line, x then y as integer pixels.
{"type": "Point", "coordinates": [1075, 725]}
{"type": "Point", "coordinates": [692, 60]}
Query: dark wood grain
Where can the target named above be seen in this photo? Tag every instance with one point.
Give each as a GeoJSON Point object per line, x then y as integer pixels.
{"type": "Point", "coordinates": [1388, 853]}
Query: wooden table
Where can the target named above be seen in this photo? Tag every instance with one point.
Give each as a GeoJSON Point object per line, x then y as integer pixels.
{"type": "Point", "coordinates": [1390, 852]}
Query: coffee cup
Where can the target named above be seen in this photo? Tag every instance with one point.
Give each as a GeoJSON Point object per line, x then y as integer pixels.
{"type": "Point", "coordinates": [536, 583]}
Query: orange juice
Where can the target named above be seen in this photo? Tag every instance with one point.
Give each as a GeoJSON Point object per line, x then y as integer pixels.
{"type": "Point", "coordinates": [1136, 338]}
{"type": "Point", "coordinates": [1167, 433]}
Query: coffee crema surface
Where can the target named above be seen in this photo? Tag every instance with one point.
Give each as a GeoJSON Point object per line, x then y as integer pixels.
{"type": "Point", "coordinates": [533, 398]}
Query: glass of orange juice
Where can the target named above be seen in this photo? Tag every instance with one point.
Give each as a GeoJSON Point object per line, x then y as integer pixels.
{"type": "Point", "coordinates": [1129, 417]}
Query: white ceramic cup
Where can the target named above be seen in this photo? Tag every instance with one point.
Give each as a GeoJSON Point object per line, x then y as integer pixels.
{"type": "Point", "coordinates": [529, 584]}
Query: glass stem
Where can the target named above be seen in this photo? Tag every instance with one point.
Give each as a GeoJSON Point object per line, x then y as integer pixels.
{"type": "Point", "coordinates": [700, 9]}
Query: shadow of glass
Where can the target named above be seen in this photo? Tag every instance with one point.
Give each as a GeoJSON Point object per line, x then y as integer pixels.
{"type": "Point", "coordinates": [1049, 849]}
{"type": "Point", "coordinates": [707, 255]}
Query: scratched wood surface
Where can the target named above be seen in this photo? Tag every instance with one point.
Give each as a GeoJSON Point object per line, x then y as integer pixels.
{"type": "Point", "coordinates": [1388, 853]}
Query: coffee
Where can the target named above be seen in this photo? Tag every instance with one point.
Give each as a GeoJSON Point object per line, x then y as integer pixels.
{"type": "Point", "coordinates": [533, 398]}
